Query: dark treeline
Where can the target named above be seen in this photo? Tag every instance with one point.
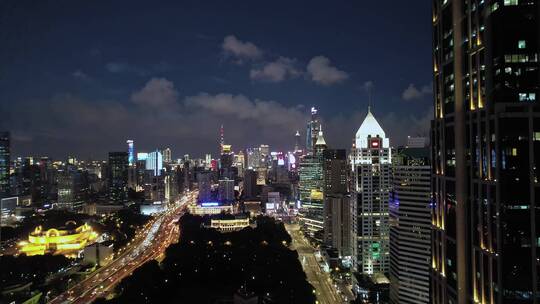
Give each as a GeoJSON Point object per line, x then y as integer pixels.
{"type": "Point", "coordinates": [208, 267]}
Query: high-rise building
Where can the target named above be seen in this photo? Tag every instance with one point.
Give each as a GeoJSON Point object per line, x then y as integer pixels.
{"type": "Point", "coordinates": [250, 184]}
{"type": "Point", "coordinates": [154, 162]}
{"type": "Point", "coordinates": [167, 155]}
{"type": "Point", "coordinates": [131, 152]}
{"type": "Point", "coordinates": [486, 152]}
{"type": "Point", "coordinates": [337, 202]}
{"type": "Point", "coordinates": [410, 227]}
{"type": "Point", "coordinates": [226, 190]}
{"type": "Point", "coordinates": [312, 131]}
{"type": "Point", "coordinates": [371, 164]}
{"type": "Point", "coordinates": [118, 175]}
{"type": "Point", "coordinates": [253, 158]}
{"type": "Point", "coordinates": [204, 182]}
{"type": "Point", "coordinates": [297, 146]}
{"type": "Point", "coordinates": [5, 161]}
{"type": "Point", "coordinates": [72, 188]}
{"type": "Point", "coordinates": [311, 186]}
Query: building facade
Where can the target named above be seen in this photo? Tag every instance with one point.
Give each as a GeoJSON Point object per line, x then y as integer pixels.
{"type": "Point", "coordinates": [485, 151]}
{"type": "Point", "coordinates": [410, 227]}
{"type": "Point", "coordinates": [118, 176]}
{"type": "Point", "coordinates": [371, 170]}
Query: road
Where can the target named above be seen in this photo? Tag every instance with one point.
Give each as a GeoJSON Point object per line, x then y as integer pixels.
{"type": "Point", "coordinates": [150, 243]}
{"type": "Point", "coordinates": [324, 288]}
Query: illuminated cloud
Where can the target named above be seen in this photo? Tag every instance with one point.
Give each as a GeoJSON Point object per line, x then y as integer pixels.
{"type": "Point", "coordinates": [276, 71]}
{"type": "Point", "coordinates": [322, 72]}
{"type": "Point", "coordinates": [240, 50]}
{"type": "Point", "coordinates": [412, 92]}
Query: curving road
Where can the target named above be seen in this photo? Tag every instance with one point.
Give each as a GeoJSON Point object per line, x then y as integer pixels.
{"type": "Point", "coordinates": [149, 243]}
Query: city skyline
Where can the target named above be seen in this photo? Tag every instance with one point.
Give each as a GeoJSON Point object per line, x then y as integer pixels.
{"type": "Point", "coordinates": [87, 88]}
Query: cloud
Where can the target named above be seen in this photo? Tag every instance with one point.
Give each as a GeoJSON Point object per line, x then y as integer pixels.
{"type": "Point", "coordinates": [80, 75]}
{"type": "Point", "coordinates": [322, 72]}
{"type": "Point", "coordinates": [240, 50]}
{"type": "Point", "coordinates": [412, 92]}
{"type": "Point", "coordinates": [157, 92]}
{"type": "Point", "coordinates": [276, 71]}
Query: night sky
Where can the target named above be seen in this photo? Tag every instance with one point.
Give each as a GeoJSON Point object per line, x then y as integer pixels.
{"type": "Point", "coordinates": [81, 77]}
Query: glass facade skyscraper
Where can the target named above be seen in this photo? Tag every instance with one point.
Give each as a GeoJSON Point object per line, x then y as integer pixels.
{"type": "Point", "coordinates": [486, 152]}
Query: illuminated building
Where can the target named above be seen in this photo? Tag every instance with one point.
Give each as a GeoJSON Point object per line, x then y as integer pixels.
{"type": "Point", "coordinates": [154, 162]}
{"type": "Point", "coordinates": [66, 241]}
{"type": "Point", "coordinates": [311, 214]}
{"type": "Point", "coordinates": [337, 202]}
{"type": "Point", "coordinates": [297, 146]}
{"type": "Point", "coordinates": [486, 152]}
{"type": "Point", "coordinates": [118, 175]}
{"type": "Point", "coordinates": [210, 208]}
{"type": "Point", "coordinates": [312, 131]}
{"type": "Point", "coordinates": [131, 152]}
{"type": "Point", "coordinates": [253, 158]}
{"type": "Point", "coordinates": [72, 188]}
{"type": "Point", "coordinates": [410, 227]}
{"type": "Point", "coordinates": [229, 225]}
{"type": "Point", "coordinates": [4, 163]}
{"type": "Point", "coordinates": [371, 165]}
{"type": "Point", "coordinates": [167, 155]}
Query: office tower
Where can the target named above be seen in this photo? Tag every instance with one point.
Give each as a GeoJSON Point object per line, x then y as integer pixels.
{"type": "Point", "coordinates": [226, 190]}
{"type": "Point", "coordinates": [118, 175]}
{"type": "Point", "coordinates": [131, 152]}
{"type": "Point", "coordinates": [5, 161]}
{"type": "Point", "coordinates": [204, 181]}
{"type": "Point", "coordinates": [337, 202]}
{"type": "Point", "coordinates": [253, 158]}
{"type": "Point", "coordinates": [311, 214]}
{"type": "Point", "coordinates": [167, 155]}
{"type": "Point", "coordinates": [264, 156]}
{"type": "Point", "coordinates": [297, 146]}
{"type": "Point", "coordinates": [154, 162]}
{"type": "Point", "coordinates": [485, 151]}
{"type": "Point", "coordinates": [312, 131]}
{"type": "Point", "coordinates": [72, 189]}
{"type": "Point", "coordinates": [250, 184]}
{"type": "Point", "coordinates": [410, 227]}
{"type": "Point", "coordinates": [208, 160]}
{"type": "Point", "coordinates": [371, 164]}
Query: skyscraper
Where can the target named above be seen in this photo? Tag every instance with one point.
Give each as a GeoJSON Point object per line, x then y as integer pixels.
{"type": "Point", "coordinates": [371, 164]}
{"type": "Point", "coordinates": [131, 152]}
{"type": "Point", "coordinates": [204, 182]}
{"type": "Point", "coordinates": [4, 163]}
{"type": "Point", "coordinates": [311, 186]}
{"type": "Point", "coordinates": [312, 130]}
{"type": "Point", "coordinates": [410, 227]}
{"type": "Point", "coordinates": [337, 202]}
{"type": "Point", "coordinates": [486, 152]}
{"type": "Point", "coordinates": [226, 190]}
{"type": "Point", "coordinates": [118, 175]}
{"type": "Point", "coordinates": [167, 155]}
{"type": "Point", "coordinates": [154, 162]}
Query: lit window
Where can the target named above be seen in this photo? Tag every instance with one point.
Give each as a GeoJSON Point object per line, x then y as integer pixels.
{"type": "Point", "coordinates": [511, 2]}
{"type": "Point", "coordinates": [527, 96]}
{"type": "Point", "coordinates": [536, 136]}
{"type": "Point", "coordinates": [522, 44]}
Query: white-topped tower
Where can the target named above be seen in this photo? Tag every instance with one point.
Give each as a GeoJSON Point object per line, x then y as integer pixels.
{"type": "Point", "coordinates": [371, 171]}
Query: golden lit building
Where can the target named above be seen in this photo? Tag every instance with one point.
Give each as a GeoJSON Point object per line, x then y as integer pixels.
{"type": "Point", "coordinates": [66, 241]}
